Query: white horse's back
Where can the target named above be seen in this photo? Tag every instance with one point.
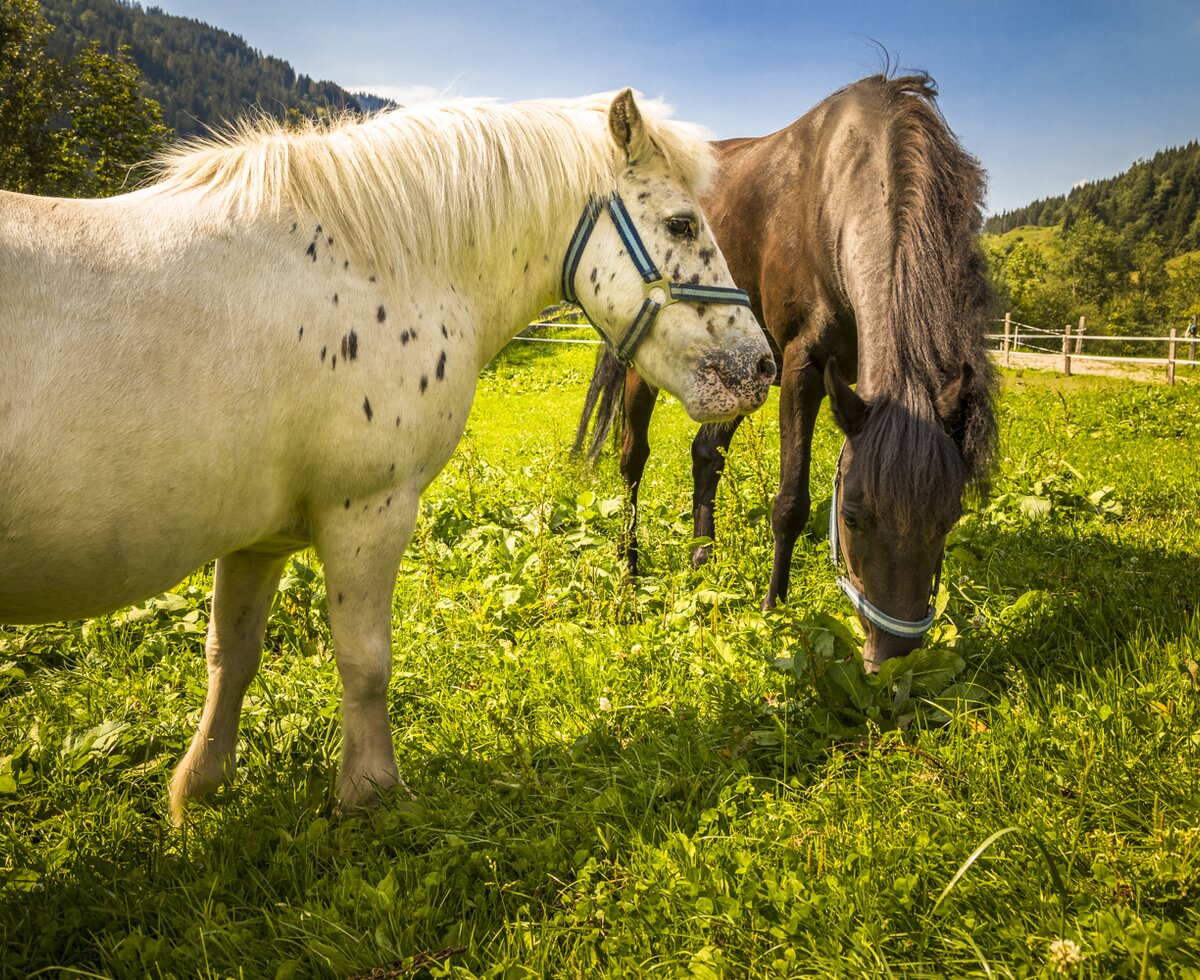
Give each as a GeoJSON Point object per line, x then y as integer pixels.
{"type": "Point", "coordinates": [145, 425]}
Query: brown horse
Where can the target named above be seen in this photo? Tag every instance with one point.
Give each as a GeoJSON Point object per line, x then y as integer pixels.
{"type": "Point", "coordinates": [855, 232]}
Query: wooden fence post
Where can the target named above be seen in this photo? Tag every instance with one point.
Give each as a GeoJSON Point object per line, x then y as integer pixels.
{"type": "Point", "coordinates": [1171, 359]}
{"type": "Point", "coordinates": [1007, 333]}
{"type": "Point", "coordinates": [1067, 349]}
{"type": "Point", "coordinates": [1079, 335]}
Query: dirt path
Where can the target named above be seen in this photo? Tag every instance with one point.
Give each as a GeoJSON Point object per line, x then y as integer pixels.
{"type": "Point", "coordinates": [1133, 372]}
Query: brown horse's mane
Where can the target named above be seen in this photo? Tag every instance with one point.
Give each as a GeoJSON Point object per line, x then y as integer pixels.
{"type": "Point", "coordinates": [937, 314]}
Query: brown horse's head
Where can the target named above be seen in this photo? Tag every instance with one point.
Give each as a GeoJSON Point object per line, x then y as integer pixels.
{"type": "Point", "coordinates": [897, 493]}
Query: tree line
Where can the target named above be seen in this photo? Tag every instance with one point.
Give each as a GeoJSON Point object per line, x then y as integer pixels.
{"type": "Point", "coordinates": [1121, 251]}
{"type": "Point", "coordinates": [201, 76]}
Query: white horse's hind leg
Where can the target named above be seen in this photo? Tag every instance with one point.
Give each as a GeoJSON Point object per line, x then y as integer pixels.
{"type": "Point", "coordinates": [361, 549]}
{"type": "Point", "coordinates": [243, 587]}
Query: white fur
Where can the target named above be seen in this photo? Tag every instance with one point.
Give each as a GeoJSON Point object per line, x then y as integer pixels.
{"type": "Point", "coordinates": [166, 402]}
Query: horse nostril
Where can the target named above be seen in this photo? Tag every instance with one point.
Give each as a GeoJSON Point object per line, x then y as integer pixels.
{"type": "Point", "coordinates": [766, 368]}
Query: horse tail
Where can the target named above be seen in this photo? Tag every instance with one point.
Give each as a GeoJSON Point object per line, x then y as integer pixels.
{"type": "Point", "coordinates": [604, 401]}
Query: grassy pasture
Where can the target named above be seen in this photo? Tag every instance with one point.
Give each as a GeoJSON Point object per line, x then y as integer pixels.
{"type": "Point", "coordinates": [657, 781]}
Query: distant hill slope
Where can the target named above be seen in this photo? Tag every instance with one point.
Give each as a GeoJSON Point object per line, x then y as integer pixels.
{"type": "Point", "coordinates": [202, 76]}
{"type": "Point", "coordinates": [1160, 196]}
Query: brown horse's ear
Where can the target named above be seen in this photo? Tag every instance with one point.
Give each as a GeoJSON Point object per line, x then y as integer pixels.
{"type": "Point", "coordinates": [849, 410]}
{"type": "Point", "coordinates": [628, 130]}
{"type": "Point", "coordinates": [952, 402]}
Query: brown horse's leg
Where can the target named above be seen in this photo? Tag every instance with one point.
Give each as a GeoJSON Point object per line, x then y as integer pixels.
{"type": "Point", "coordinates": [800, 394]}
{"type": "Point", "coordinates": [640, 397]}
{"type": "Point", "coordinates": [708, 463]}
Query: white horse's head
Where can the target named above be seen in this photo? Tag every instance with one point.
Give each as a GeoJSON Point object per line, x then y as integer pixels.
{"type": "Point", "coordinates": [645, 290]}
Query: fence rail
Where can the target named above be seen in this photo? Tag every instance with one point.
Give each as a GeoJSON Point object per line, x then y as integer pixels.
{"type": "Point", "coordinates": [1016, 339]}
{"type": "Point", "coordinates": [1022, 338]}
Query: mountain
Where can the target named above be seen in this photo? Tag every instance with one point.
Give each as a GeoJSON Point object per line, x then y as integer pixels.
{"type": "Point", "coordinates": [202, 76]}
{"type": "Point", "coordinates": [1158, 197]}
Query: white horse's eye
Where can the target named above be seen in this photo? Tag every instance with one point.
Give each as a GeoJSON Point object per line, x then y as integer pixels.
{"type": "Point", "coordinates": [682, 227]}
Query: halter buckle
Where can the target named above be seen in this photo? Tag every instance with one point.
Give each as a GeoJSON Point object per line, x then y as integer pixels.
{"type": "Point", "coordinates": [663, 287]}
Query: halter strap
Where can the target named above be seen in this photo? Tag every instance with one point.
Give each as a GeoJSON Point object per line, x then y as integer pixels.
{"type": "Point", "coordinates": [871, 613]}
{"type": "Point", "coordinates": [660, 292]}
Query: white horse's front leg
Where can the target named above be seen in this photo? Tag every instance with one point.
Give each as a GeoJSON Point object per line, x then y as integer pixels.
{"type": "Point", "coordinates": [243, 587]}
{"type": "Point", "coordinates": [361, 546]}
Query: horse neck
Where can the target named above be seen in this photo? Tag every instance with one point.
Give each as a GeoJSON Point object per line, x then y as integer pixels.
{"type": "Point", "coordinates": [509, 283]}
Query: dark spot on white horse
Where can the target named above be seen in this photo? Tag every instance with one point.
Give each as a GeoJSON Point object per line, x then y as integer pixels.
{"type": "Point", "coordinates": [667, 257]}
{"type": "Point", "coordinates": [441, 367]}
{"type": "Point", "coordinates": [341, 598]}
{"type": "Point", "coordinates": [405, 337]}
{"type": "Point", "coordinates": [353, 345]}
{"type": "Point", "coordinates": [695, 279]}
{"type": "Point", "coordinates": [424, 383]}
{"type": "Point", "coordinates": [370, 278]}
{"type": "Point", "coordinates": [357, 551]}
{"type": "Point", "coordinates": [335, 299]}
{"type": "Point", "coordinates": [367, 408]}
{"type": "Point", "coordinates": [514, 252]}
{"type": "Point", "coordinates": [389, 502]}
{"type": "Point", "coordinates": [392, 468]}
{"type": "Point", "coordinates": [346, 264]}
{"type": "Point", "coordinates": [329, 240]}
{"type": "Point", "coordinates": [706, 255]}
{"type": "Point", "coordinates": [675, 273]}
{"type": "Point", "coordinates": [397, 426]}
{"type": "Point", "coordinates": [526, 266]}
{"type": "Point", "coordinates": [381, 314]}
{"type": "Point", "coordinates": [293, 226]}
{"type": "Point", "coordinates": [444, 334]}
{"type": "Point", "coordinates": [318, 229]}
{"type": "Point", "coordinates": [592, 277]}
{"type": "Point", "coordinates": [729, 322]}
{"type": "Point", "coordinates": [347, 503]}
{"type": "Point", "coordinates": [701, 309]}
{"type": "Point", "coordinates": [333, 362]}
{"type": "Point", "coordinates": [643, 195]}
{"type": "Point", "coordinates": [323, 352]}
{"type": "Point", "coordinates": [301, 335]}
{"type": "Point", "coordinates": [311, 251]}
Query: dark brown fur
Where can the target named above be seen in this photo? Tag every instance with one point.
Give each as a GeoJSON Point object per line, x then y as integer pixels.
{"type": "Point", "coordinates": [855, 232]}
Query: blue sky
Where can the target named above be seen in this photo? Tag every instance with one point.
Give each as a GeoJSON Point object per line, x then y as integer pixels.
{"type": "Point", "coordinates": [1046, 94]}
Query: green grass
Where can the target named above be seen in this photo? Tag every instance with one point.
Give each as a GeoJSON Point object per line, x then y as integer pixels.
{"type": "Point", "coordinates": [1046, 238]}
{"type": "Point", "coordinates": [656, 781]}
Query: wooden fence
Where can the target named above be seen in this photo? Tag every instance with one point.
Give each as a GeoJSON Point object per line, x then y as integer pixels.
{"type": "Point", "coordinates": [1168, 352]}
{"type": "Point", "coordinates": [1016, 341]}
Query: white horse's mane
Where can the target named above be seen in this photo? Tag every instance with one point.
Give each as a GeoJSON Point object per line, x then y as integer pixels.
{"type": "Point", "coordinates": [429, 182]}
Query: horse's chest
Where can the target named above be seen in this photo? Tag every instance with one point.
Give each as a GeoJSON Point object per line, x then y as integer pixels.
{"type": "Point", "coordinates": [393, 380]}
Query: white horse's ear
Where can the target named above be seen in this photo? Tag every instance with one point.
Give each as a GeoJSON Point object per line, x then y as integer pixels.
{"type": "Point", "coordinates": [628, 130]}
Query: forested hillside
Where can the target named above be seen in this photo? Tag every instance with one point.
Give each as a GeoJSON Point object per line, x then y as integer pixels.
{"type": "Point", "coordinates": [201, 76]}
{"type": "Point", "coordinates": [1159, 197]}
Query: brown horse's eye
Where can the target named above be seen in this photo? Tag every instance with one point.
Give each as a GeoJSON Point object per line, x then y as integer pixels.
{"type": "Point", "coordinates": [681, 227]}
{"type": "Point", "coordinates": [849, 520]}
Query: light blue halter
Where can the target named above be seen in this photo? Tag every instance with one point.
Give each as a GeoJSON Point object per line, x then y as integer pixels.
{"type": "Point", "coordinates": [872, 613]}
{"type": "Point", "coordinates": [669, 291]}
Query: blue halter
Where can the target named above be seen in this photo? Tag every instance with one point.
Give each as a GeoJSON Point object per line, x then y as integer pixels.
{"type": "Point", "coordinates": [872, 613]}
{"type": "Point", "coordinates": [668, 291]}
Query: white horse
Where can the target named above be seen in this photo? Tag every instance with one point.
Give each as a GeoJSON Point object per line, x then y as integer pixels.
{"type": "Point", "coordinates": [276, 345]}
